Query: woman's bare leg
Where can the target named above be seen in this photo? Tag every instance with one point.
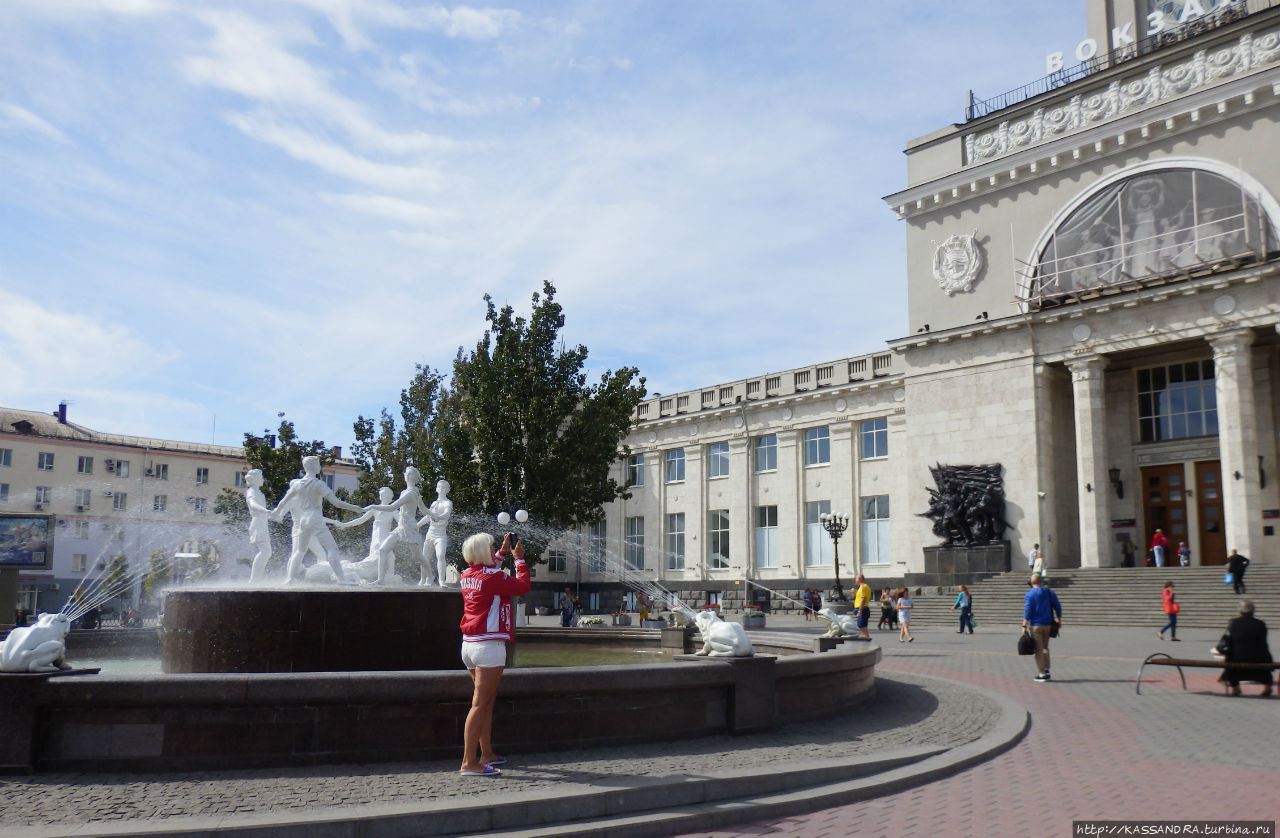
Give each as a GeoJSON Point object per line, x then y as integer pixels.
{"type": "Point", "coordinates": [477, 733]}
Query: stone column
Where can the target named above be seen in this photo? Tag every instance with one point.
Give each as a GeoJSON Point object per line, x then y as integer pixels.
{"type": "Point", "coordinates": [1238, 439]}
{"type": "Point", "coordinates": [1091, 458]}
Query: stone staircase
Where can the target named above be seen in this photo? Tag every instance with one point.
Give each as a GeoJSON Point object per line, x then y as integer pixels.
{"type": "Point", "coordinates": [1110, 596]}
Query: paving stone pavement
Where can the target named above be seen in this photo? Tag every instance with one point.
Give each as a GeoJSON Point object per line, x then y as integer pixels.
{"type": "Point", "coordinates": [1096, 750]}
{"type": "Point", "coordinates": [906, 710]}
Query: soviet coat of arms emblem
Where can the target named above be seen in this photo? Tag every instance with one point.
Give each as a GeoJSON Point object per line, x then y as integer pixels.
{"type": "Point", "coordinates": [957, 263]}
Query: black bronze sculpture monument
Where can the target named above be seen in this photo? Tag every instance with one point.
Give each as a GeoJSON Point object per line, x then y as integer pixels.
{"type": "Point", "coordinates": [967, 509]}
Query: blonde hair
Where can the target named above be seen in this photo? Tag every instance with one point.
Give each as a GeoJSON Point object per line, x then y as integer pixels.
{"type": "Point", "coordinates": [477, 548]}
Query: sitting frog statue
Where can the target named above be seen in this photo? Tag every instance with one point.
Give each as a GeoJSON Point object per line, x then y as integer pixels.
{"type": "Point", "coordinates": [841, 625]}
{"type": "Point", "coordinates": [38, 648]}
{"type": "Point", "coordinates": [721, 639]}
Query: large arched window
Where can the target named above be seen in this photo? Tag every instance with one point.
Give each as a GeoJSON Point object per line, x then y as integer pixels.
{"type": "Point", "coordinates": [1151, 226]}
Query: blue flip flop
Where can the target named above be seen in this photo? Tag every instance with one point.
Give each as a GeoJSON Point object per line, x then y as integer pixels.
{"type": "Point", "coordinates": [499, 761]}
{"type": "Point", "coordinates": [489, 771]}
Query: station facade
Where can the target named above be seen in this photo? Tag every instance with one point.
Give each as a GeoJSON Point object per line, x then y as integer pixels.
{"type": "Point", "coordinates": [1093, 276]}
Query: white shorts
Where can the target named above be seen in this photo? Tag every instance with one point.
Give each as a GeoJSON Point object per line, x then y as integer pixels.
{"type": "Point", "coordinates": [484, 654]}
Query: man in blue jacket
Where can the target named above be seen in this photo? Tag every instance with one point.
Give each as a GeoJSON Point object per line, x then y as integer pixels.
{"type": "Point", "coordinates": [1040, 612]}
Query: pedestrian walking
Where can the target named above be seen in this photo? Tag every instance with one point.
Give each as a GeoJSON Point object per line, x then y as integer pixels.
{"type": "Point", "coordinates": [565, 604]}
{"type": "Point", "coordinates": [1041, 616]}
{"type": "Point", "coordinates": [1039, 568]}
{"type": "Point", "coordinates": [888, 612]}
{"type": "Point", "coordinates": [1246, 642]}
{"type": "Point", "coordinates": [965, 603]}
{"type": "Point", "coordinates": [1033, 555]}
{"type": "Point", "coordinates": [1236, 564]}
{"type": "Point", "coordinates": [904, 603]}
{"type": "Point", "coordinates": [1171, 609]}
{"type": "Point", "coordinates": [1159, 543]}
{"type": "Point", "coordinates": [1184, 554]}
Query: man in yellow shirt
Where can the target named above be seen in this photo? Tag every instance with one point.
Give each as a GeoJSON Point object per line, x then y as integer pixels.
{"type": "Point", "coordinates": [862, 605]}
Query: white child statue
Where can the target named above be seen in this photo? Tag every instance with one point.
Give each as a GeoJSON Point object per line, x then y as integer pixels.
{"type": "Point", "coordinates": [406, 508]}
{"type": "Point", "coordinates": [259, 512]}
{"type": "Point", "coordinates": [436, 544]}
{"type": "Point", "coordinates": [305, 502]}
{"type": "Point", "coordinates": [384, 523]}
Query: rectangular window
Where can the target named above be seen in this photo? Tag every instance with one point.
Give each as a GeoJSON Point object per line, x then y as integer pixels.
{"type": "Point", "coordinates": [83, 497]}
{"type": "Point", "coordinates": [1177, 401]}
{"type": "Point", "coordinates": [596, 547]}
{"type": "Point", "coordinates": [875, 438]}
{"type": "Point", "coordinates": [675, 465]}
{"type": "Point", "coordinates": [160, 502]}
{"type": "Point", "coordinates": [766, 536]}
{"type": "Point", "coordinates": [718, 459]}
{"type": "Point", "coordinates": [239, 479]}
{"type": "Point", "coordinates": [120, 500]}
{"type": "Point", "coordinates": [635, 470]}
{"type": "Point", "coordinates": [875, 529]}
{"type": "Point", "coordinates": [44, 461]}
{"type": "Point", "coordinates": [634, 543]}
{"type": "Point", "coordinates": [202, 476]}
{"type": "Point", "coordinates": [85, 465]}
{"type": "Point", "coordinates": [718, 539]}
{"type": "Point", "coordinates": [817, 544]}
{"type": "Point", "coordinates": [557, 561]}
{"type": "Point", "coordinates": [675, 541]}
{"type": "Point", "coordinates": [122, 468]}
{"type": "Point", "coordinates": [6, 456]}
{"type": "Point", "coordinates": [201, 505]}
{"type": "Point", "coordinates": [325, 476]}
{"type": "Point", "coordinates": [44, 494]}
{"type": "Point", "coordinates": [4, 492]}
{"type": "Point", "coordinates": [817, 446]}
{"type": "Point", "coordinates": [82, 529]}
{"type": "Point", "coordinates": [160, 471]}
{"type": "Point", "coordinates": [767, 453]}
{"type": "Point", "coordinates": [79, 562]}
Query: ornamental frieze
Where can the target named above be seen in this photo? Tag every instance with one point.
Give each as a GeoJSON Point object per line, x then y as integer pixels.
{"type": "Point", "coordinates": [1159, 84]}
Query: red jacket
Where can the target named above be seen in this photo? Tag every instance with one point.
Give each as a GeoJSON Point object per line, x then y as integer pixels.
{"type": "Point", "coordinates": [1169, 602]}
{"type": "Point", "coordinates": [1159, 540]}
{"type": "Point", "coordinates": [486, 601]}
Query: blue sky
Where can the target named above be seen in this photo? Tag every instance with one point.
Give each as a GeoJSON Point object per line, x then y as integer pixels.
{"type": "Point", "coordinates": [213, 212]}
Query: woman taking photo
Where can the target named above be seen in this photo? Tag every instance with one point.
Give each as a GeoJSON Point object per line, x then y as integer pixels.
{"type": "Point", "coordinates": [487, 622]}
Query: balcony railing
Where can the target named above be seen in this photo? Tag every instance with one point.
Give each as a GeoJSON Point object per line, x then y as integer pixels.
{"type": "Point", "coordinates": [1221, 16]}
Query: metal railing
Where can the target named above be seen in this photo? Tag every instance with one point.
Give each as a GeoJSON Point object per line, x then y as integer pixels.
{"type": "Point", "coordinates": [1221, 16]}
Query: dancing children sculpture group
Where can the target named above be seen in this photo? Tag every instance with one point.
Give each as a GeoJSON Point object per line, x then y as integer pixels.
{"type": "Point", "coordinates": [394, 522]}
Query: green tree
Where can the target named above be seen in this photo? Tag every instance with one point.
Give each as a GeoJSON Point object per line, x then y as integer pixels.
{"type": "Point", "coordinates": [519, 426]}
{"type": "Point", "coordinates": [383, 456]}
{"type": "Point", "coordinates": [117, 583]}
{"type": "Point", "coordinates": [159, 573]}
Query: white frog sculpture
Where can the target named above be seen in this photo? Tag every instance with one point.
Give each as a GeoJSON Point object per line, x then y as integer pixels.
{"type": "Point", "coordinates": [721, 639]}
{"type": "Point", "coordinates": [841, 625]}
{"type": "Point", "coordinates": [38, 648]}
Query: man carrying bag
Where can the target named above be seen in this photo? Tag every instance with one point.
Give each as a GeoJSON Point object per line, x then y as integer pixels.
{"type": "Point", "coordinates": [1041, 617]}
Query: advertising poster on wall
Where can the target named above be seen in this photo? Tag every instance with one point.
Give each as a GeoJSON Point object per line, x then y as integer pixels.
{"type": "Point", "coordinates": [25, 541]}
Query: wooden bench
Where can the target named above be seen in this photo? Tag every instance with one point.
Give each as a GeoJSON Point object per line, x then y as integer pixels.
{"type": "Point", "coordinates": [1163, 659]}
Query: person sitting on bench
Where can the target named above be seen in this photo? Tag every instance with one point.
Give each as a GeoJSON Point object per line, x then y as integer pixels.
{"type": "Point", "coordinates": [1246, 641]}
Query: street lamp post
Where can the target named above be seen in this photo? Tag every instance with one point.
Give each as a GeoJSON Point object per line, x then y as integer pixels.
{"type": "Point", "coordinates": [835, 524]}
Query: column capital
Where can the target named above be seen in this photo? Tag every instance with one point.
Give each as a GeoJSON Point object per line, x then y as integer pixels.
{"type": "Point", "coordinates": [1088, 367]}
{"type": "Point", "coordinates": [1231, 343]}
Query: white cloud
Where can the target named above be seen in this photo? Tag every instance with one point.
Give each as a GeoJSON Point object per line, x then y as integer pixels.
{"type": "Point", "coordinates": [15, 118]}
{"type": "Point", "coordinates": [40, 345]}
{"type": "Point", "coordinates": [394, 209]}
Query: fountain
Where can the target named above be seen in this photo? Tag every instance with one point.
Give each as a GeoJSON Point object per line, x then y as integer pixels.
{"type": "Point", "coordinates": [385, 684]}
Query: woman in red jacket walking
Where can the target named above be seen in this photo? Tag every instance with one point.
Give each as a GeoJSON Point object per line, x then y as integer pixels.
{"type": "Point", "coordinates": [487, 623]}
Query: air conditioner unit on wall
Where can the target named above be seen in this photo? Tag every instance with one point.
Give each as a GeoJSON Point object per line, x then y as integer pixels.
{"type": "Point", "coordinates": [39, 507]}
{"type": "Point", "coordinates": [107, 493]}
{"type": "Point", "coordinates": [55, 587]}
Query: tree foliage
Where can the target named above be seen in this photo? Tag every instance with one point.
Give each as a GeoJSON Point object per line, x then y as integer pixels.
{"type": "Point", "coordinates": [519, 425]}
{"type": "Point", "coordinates": [383, 455]}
